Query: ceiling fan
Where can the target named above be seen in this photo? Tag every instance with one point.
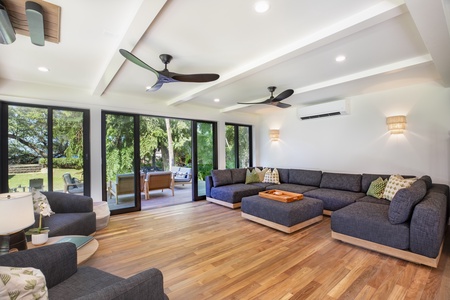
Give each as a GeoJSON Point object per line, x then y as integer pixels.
{"type": "Point", "coordinates": [276, 101]}
{"type": "Point", "coordinates": [165, 76]}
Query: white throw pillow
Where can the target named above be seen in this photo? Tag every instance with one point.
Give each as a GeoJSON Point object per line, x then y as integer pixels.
{"type": "Point", "coordinates": [272, 177]}
{"type": "Point", "coordinates": [22, 283]}
{"type": "Point", "coordinates": [395, 183]}
{"type": "Point", "coordinates": [38, 197]}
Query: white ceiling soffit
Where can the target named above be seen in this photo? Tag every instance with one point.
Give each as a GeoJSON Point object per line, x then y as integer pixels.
{"type": "Point", "coordinates": [370, 17]}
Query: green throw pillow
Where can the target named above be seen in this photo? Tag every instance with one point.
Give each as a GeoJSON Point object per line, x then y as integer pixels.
{"type": "Point", "coordinates": [377, 187]}
{"type": "Point", "coordinates": [251, 177]}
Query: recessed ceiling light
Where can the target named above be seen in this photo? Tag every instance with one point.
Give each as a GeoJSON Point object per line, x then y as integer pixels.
{"type": "Point", "coordinates": [217, 100]}
{"type": "Point", "coordinates": [262, 6]}
{"type": "Point", "coordinates": [340, 58]}
{"type": "Point", "coordinates": [43, 69]}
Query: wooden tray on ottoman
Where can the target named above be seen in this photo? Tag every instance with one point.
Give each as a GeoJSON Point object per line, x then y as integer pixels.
{"type": "Point", "coordinates": [281, 196]}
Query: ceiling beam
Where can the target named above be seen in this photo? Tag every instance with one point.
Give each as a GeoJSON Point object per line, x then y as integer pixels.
{"type": "Point", "coordinates": [400, 65]}
{"type": "Point", "coordinates": [145, 15]}
{"type": "Point", "coordinates": [376, 14]}
{"type": "Point", "coordinates": [432, 21]}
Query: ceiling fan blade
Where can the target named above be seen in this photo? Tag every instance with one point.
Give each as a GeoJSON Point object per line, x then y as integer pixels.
{"type": "Point", "coordinates": [156, 86]}
{"type": "Point", "coordinates": [195, 77]}
{"type": "Point", "coordinates": [282, 105]}
{"type": "Point", "coordinates": [283, 95]}
{"type": "Point", "coordinates": [137, 61]}
{"type": "Point", "coordinates": [264, 102]}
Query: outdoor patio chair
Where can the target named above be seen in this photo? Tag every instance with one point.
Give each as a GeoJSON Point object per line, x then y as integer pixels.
{"type": "Point", "coordinates": [72, 185]}
{"type": "Point", "coordinates": [182, 176]}
{"type": "Point", "coordinates": [158, 181]}
{"type": "Point", "coordinates": [124, 185]}
{"type": "Point", "coordinates": [37, 184]}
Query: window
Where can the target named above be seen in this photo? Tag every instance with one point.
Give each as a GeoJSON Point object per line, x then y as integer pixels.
{"type": "Point", "coordinates": [238, 143]}
{"type": "Point", "coordinates": [45, 147]}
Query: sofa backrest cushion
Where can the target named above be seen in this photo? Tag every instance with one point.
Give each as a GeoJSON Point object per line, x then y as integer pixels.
{"type": "Point", "coordinates": [305, 177]}
{"type": "Point", "coordinates": [367, 179]}
{"type": "Point", "coordinates": [339, 181]}
{"type": "Point", "coordinates": [222, 177]}
{"type": "Point", "coordinates": [428, 181]}
{"type": "Point", "coordinates": [404, 201]}
{"type": "Point", "coordinates": [284, 175]}
{"type": "Point", "coordinates": [238, 175]}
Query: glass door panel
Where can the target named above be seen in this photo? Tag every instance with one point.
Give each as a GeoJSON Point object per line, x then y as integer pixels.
{"type": "Point", "coordinates": [120, 163]}
{"type": "Point", "coordinates": [244, 146]}
{"type": "Point", "coordinates": [205, 154]}
{"type": "Point", "coordinates": [27, 148]}
{"type": "Point", "coordinates": [68, 171]}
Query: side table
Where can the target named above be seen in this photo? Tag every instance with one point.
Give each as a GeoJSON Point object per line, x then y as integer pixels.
{"type": "Point", "coordinates": [83, 254]}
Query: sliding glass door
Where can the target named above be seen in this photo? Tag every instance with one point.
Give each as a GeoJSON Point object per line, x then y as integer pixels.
{"type": "Point", "coordinates": [238, 146]}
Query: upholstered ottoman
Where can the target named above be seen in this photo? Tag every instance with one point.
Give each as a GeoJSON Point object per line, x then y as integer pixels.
{"type": "Point", "coordinates": [286, 217]}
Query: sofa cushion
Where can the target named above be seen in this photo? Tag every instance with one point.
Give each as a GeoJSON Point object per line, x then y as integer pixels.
{"type": "Point", "coordinates": [371, 199]}
{"type": "Point", "coordinates": [284, 175]}
{"type": "Point", "coordinates": [339, 181]}
{"type": "Point", "coordinates": [70, 224]}
{"type": "Point", "coordinates": [369, 221]}
{"type": "Point", "coordinates": [22, 283]}
{"type": "Point", "coordinates": [404, 201]}
{"type": "Point", "coordinates": [377, 187]}
{"type": "Point", "coordinates": [305, 177]}
{"type": "Point", "coordinates": [222, 177]}
{"type": "Point", "coordinates": [272, 176]}
{"type": "Point", "coordinates": [395, 183]}
{"type": "Point", "coordinates": [252, 177]}
{"type": "Point", "coordinates": [238, 175]}
{"type": "Point", "coordinates": [234, 193]}
{"type": "Point", "coordinates": [294, 188]}
{"type": "Point", "coordinates": [334, 199]}
{"type": "Point", "coordinates": [428, 181]}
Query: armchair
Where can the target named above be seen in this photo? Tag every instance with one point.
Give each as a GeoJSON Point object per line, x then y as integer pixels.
{"type": "Point", "coordinates": [72, 185]}
{"type": "Point", "coordinates": [74, 215]}
{"type": "Point", "coordinates": [58, 263]}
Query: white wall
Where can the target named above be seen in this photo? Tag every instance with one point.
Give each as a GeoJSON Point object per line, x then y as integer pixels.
{"type": "Point", "coordinates": [361, 143]}
{"type": "Point", "coordinates": [29, 93]}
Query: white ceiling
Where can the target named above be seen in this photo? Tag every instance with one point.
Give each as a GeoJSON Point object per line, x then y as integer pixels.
{"type": "Point", "coordinates": [292, 46]}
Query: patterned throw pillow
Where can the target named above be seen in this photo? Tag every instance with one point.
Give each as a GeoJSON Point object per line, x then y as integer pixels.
{"type": "Point", "coordinates": [251, 176]}
{"type": "Point", "coordinates": [272, 177]}
{"type": "Point", "coordinates": [38, 197]}
{"type": "Point", "coordinates": [22, 283]}
{"type": "Point", "coordinates": [377, 187]}
{"type": "Point", "coordinates": [395, 183]}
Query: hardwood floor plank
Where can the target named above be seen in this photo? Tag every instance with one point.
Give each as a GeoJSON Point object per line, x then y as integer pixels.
{"type": "Point", "coordinates": [206, 251]}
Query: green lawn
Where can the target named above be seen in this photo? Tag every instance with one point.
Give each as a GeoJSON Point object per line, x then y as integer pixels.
{"type": "Point", "coordinates": [22, 180]}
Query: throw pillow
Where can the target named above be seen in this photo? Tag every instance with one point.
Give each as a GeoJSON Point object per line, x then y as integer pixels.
{"type": "Point", "coordinates": [272, 177]}
{"type": "Point", "coordinates": [395, 183]}
{"type": "Point", "coordinates": [251, 176]}
{"type": "Point", "coordinates": [377, 187]}
{"type": "Point", "coordinates": [261, 173]}
{"type": "Point", "coordinates": [37, 198]}
{"type": "Point", "coordinates": [402, 206]}
{"type": "Point", "coordinates": [22, 283]}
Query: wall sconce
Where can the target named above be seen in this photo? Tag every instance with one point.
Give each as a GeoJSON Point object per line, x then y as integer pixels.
{"type": "Point", "coordinates": [274, 134]}
{"type": "Point", "coordinates": [396, 124]}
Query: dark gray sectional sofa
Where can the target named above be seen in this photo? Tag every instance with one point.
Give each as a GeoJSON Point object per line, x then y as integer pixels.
{"type": "Point", "coordinates": [411, 226]}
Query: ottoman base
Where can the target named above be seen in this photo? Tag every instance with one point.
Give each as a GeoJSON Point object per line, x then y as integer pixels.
{"type": "Point", "coordinates": [282, 227]}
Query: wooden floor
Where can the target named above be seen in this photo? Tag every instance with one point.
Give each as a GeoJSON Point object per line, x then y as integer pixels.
{"type": "Point", "coordinates": [209, 252]}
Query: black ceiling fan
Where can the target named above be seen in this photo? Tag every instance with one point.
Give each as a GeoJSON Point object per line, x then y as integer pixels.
{"type": "Point", "coordinates": [275, 101]}
{"type": "Point", "coordinates": [165, 76]}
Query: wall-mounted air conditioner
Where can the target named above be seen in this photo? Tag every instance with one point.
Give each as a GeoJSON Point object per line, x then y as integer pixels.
{"type": "Point", "coordinates": [328, 109]}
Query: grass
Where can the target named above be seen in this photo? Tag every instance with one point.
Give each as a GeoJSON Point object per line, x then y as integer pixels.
{"type": "Point", "coordinates": [22, 180]}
